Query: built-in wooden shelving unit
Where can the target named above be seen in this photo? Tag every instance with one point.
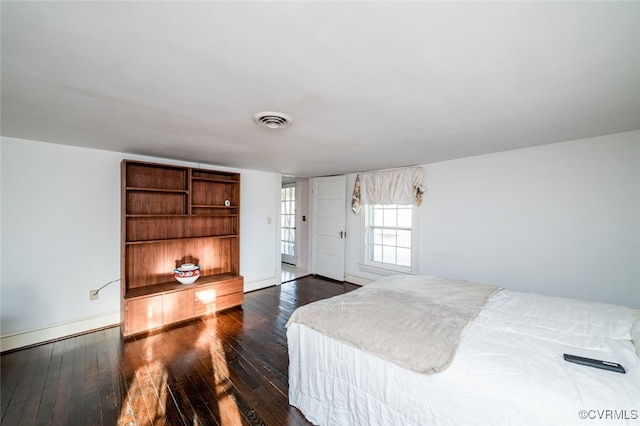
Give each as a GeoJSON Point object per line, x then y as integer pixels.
{"type": "Point", "coordinates": [173, 215]}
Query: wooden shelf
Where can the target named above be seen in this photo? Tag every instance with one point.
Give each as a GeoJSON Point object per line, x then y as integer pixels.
{"type": "Point", "coordinates": [173, 215]}
{"type": "Point", "coordinates": [214, 179]}
{"type": "Point", "coordinates": [170, 191]}
{"type": "Point", "coordinates": [174, 285]}
{"type": "Point", "coordinates": [154, 241]}
{"type": "Point", "coordinates": [212, 206]}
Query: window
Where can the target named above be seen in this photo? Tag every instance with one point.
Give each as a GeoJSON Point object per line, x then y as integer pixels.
{"type": "Point", "coordinates": [389, 237]}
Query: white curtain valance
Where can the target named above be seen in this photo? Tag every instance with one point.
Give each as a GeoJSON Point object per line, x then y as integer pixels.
{"type": "Point", "coordinates": [396, 186]}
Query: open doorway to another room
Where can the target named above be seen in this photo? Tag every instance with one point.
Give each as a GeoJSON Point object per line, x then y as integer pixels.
{"type": "Point", "coordinates": [294, 234]}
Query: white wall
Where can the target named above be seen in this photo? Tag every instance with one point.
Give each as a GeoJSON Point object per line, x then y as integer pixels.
{"type": "Point", "coordinates": [560, 219]}
{"type": "Point", "coordinates": [60, 227]}
{"type": "Point", "coordinates": [303, 244]}
{"type": "Point", "coordinates": [259, 242]}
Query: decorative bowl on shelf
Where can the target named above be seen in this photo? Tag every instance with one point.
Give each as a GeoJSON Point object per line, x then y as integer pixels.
{"type": "Point", "coordinates": [188, 267]}
{"type": "Point", "coordinates": [188, 274]}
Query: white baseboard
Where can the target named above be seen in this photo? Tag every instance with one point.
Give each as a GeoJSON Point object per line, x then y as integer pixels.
{"type": "Point", "coordinates": [57, 331]}
{"type": "Point", "coordinates": [31, 337]}
{"type": "Point", "coordinates": [357, 280]}
{"type": "Point", "coordinates": [257, 285]}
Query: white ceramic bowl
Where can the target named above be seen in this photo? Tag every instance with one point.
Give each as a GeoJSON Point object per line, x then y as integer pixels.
{"type": "Point", "coordinates": [188, 267]}
{"type": "Point", "coordinates": [187, 277]}
{"type": "Point", "coordinates": [188, 280]}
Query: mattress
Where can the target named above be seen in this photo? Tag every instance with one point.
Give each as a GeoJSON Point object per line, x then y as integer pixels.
{"type": "Point", "coordinates": [509, 369]}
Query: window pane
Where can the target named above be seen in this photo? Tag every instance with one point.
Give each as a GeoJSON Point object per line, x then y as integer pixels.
{"type": "Point", "coordinates": [404, 238]}
{"type": "Point", "coordinates": [404, 257]}
{"type": "Point", "coordinates": [376, 253]}
{"type": "Point", "coordinates": [390, 217]}
{"type": "Point", "coordinates": [404, 218]}
{"type": "Point", "coordinates": [389, 254]}
{"type": "Point", "coordinates": [377, 216]}
{"type": "Point", "coordinates": [389, 237]}
{"type": "Point", "coordinates": [377, 236]}
{"type": "Point", "coordinates": [287, 248]}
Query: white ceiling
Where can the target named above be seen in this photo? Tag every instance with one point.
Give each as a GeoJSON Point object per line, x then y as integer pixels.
{"type": "Point", "coordinates": [369, 85]}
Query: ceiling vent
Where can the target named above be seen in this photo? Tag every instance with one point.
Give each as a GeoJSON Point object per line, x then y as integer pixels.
{"type": "Point", "coordinates": [272, 119]}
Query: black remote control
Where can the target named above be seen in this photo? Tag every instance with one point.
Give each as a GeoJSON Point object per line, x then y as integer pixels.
{"type": "Point", "coordinates": [605, 365]}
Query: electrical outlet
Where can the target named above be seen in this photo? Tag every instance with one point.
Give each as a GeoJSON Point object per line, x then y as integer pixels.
{"type": "Point", "coordinates": [93, 294]}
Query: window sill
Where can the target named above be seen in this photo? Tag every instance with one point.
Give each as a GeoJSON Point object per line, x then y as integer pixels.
{"type": "Point", "coordinates": [384, 270]}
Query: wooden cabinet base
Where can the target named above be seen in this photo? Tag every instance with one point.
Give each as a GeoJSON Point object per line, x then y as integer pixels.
{"type": "Point", "coordinates": [144, 313]}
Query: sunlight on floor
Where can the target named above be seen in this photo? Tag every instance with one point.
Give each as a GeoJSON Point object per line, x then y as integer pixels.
{"type": "Point", "coordinates": [229, 413]}
{"type": "Point", "coordinates": [147, 388]}
{"type": "Point", "coordinates": [156, 368]}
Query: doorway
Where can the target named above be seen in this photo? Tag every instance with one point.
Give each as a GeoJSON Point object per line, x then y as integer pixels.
{"type": "Point", "coordinates": [294, 208]}
{"type": "Point", "coordinates": [288, 216]}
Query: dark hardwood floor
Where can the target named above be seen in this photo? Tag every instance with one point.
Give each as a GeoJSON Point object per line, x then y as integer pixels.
{"type": "Point", "coordinates": [225, 369]}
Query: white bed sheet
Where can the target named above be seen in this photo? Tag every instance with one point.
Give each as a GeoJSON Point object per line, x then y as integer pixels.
{"type": "Point", "coordinates": [509, 370]}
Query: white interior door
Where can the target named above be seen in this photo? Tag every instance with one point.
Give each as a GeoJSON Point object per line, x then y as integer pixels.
{"type": "Point", "coordinates": [288, 224]}
{"type": "Point", "coordinates": [328, 230]}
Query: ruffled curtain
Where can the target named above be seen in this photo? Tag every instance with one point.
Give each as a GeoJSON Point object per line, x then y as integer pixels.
{"type": "Point", "coordinates": [396, 186]}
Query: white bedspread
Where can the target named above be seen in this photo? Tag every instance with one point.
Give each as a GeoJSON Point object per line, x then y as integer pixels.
{"type": "Point", "coordinates": [415, 321]}
{"type": "Point", "coordinates": [509, 370]}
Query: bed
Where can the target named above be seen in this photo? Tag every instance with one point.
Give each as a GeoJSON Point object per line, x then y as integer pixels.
{"type": "Point", "coordinates": [506, 366]}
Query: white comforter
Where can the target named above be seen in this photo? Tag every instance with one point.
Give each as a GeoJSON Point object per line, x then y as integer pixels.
{"type": "Point", "coordinates": [509, 370]}
{"type": "Point", "coordinates": [418, 320]}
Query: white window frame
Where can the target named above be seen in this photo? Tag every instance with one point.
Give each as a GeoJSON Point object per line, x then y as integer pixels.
{"type": "Point", "coordinates": [382, 268]}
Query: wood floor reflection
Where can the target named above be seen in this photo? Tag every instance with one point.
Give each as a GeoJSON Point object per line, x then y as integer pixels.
{"type": "Point", "coordinates": [225, 369]}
